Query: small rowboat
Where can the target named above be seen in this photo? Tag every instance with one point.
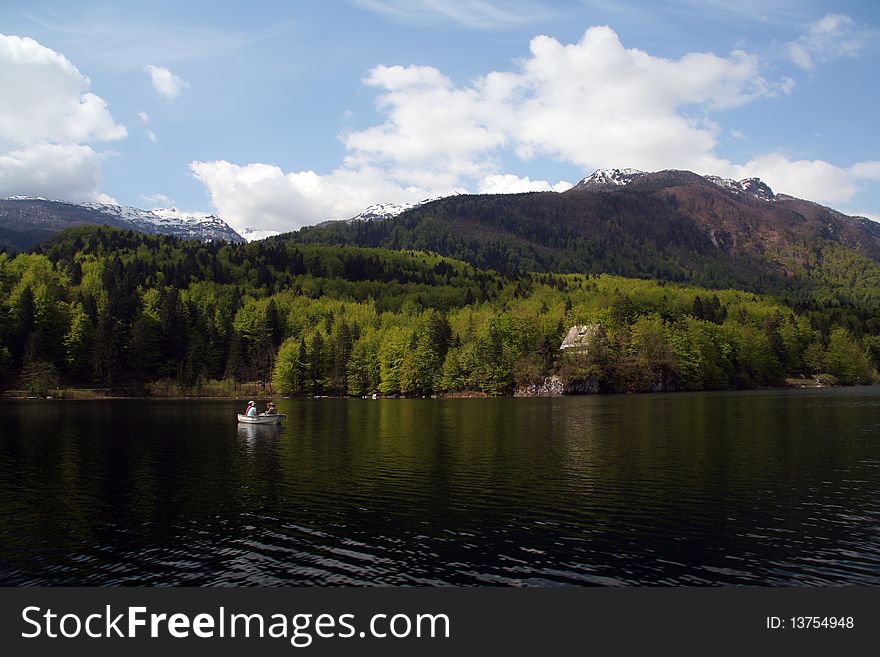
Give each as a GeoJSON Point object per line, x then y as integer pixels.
{"type": "Point", "coordinates": [274, 418]}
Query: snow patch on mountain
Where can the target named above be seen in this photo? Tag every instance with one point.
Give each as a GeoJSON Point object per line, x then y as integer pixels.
{"type": "Point", "coordinates": [752, 186]}
{"type": "Point", "coordinates": [257, 234]}
{"type": "Point", "coordinates": [382, 211]}
{"type": "Point", "coordinates": [618, 177]}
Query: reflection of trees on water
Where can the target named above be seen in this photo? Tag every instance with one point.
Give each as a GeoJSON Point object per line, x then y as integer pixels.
{"type": "Point", "coordinates": [642, 488]}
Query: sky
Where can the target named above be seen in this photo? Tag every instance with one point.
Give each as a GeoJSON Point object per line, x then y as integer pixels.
{"type": "Point", "coordinates": [276, 115]}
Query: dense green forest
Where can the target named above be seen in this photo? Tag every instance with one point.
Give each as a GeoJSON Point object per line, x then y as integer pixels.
{"type": "Point", "coordinates": [149, 314]}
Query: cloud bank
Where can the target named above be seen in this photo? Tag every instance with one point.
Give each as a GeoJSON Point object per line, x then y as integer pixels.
{"type": "Point", "coordinates": [47, 124]}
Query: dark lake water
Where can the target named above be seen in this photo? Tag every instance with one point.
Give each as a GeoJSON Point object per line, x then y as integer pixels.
{"type": "Point", "coordinates": [769, 488]}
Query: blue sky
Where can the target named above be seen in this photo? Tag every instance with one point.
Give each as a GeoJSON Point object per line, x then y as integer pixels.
{"type": "Point", "coordinates": [282, 114]}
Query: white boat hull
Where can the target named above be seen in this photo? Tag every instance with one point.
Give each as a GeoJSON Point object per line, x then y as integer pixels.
{"type": "Point", "coordinates": [261, 419]}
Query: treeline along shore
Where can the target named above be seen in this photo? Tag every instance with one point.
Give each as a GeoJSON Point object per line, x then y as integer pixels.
{"type": "Point", "coordinates": [137, 314]}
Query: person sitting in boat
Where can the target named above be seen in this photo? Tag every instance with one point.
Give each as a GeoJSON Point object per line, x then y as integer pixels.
{"type": "Point", "coordinates": [270, 409]}
{"type": "Point", "coordinates": [251, 409]}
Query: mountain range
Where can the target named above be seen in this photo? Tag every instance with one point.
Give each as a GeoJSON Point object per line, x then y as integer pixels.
{"type": "Point", "coordinates": [669, 225]}
{"type": "Point", "coordinates": [27, 221]}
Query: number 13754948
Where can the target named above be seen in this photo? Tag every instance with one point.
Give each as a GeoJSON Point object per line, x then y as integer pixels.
{"type": "Point", "coordinates": [810, 623]}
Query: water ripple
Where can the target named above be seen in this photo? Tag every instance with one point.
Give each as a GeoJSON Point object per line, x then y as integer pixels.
{"type": "Point", "coordinates": [703, 490]}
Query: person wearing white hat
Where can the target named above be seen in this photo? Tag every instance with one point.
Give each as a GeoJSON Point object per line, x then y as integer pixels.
{"type": "Point", "coordinates": [251, 409]}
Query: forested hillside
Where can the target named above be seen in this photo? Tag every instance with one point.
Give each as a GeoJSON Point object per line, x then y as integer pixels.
{"type": "Point", "coordinates": [672, 225]}
{"type": "Point", "coordinates": [145, 314]}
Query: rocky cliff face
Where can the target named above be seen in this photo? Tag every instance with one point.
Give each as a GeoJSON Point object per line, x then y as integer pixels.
{"type": "Point", "coordinates": [550, 386]}
{"type": "Point", "coordinates": [553, 386]}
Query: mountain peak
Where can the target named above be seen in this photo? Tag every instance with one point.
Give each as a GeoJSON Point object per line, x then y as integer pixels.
{"type": "Point", "coordinates": [382, 211]}
{"type": "Point", "coordinates": [617, 177]}
{"type": "Point", "coordinates": [752, 186]}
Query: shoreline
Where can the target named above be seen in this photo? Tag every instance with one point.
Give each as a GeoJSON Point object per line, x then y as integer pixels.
{"type": "Point", "coordinates": [90, 394]}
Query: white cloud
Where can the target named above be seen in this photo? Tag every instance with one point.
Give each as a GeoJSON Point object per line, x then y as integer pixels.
{"type": "Point", "coordinates": [165, 82]}
{"type": "Point", "coordinates": [593, 103]}
{"type": "Point", "coordinates": [831, 37]}
{"type": "Point", "coordinates": [263, 196]}
{"type": "Point", "coordinates": [144, 118]}
{"type": "Point", "coordinates": [158, 200]}
{"type": "Point", "coordinates": [436, 133]}
{"type": "Point", "coordinates": [46, 125]}
{"type": "Point", "coordinates": [55, 171]}
{"type": "Point", "coordinates": [866, 170]}
{"type": "Point", "coordinates": [596, 103]}
{"type": "Point", "coordinates": [482, 14]}
{"type": "Point", "coordinates": [509, 184]}
{"type": "Point", "coordinates": [51, 102]}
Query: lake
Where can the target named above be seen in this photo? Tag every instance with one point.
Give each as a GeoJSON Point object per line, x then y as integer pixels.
{"type": "Point", "coordinates": [764, 487]}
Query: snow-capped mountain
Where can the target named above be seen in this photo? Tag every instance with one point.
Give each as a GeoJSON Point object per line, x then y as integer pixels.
{"type": "Point", "coordinates": [170, 221]}
{"type": "Point", "coordinates": [26, 221]}
{"type": "Point", "coordinates": [381, 211]}
{"type": "Point", "coordinates": [620, 177]}
{"type": "Point", "coordinates": [611, 177]}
